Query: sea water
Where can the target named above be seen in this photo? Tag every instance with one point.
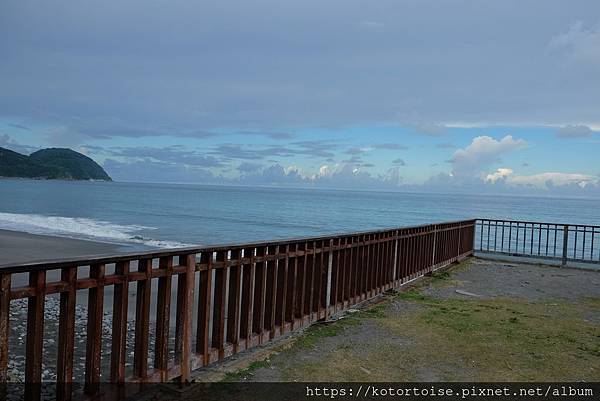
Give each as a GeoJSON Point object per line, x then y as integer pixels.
{"type": "Point", "coordinates": [169, 215]}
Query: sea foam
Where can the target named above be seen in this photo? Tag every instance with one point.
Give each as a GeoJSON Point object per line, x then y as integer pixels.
{"type": "Point", "coordinates": [82, 228]}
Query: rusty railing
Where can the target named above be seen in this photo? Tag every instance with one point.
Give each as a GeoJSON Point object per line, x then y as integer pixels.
{"type": "Point", "coordinates": [206, 303]}
{"type": "Point", "coordinates": [564, 242]}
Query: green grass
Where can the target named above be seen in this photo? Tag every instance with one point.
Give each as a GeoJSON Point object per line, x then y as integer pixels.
{"type": "Point", "coordinates": [502, 339]}
{"type": "Point", "coordinates": [458, 340]}
{"type": "Point", "coordinates": [482, 340]}
{"type": "Point", "coordinates": [241, 374]}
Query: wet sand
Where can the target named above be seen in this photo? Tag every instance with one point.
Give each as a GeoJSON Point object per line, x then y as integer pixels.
{"type": "Point", "coordinates": [19, 247]}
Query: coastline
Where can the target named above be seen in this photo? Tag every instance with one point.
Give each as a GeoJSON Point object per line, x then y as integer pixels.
{"type": "Point", "coordinates": [21, 247]}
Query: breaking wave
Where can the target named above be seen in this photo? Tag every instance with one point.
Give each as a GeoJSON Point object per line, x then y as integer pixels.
{"type": "Point", "coordinates": [82, 228]}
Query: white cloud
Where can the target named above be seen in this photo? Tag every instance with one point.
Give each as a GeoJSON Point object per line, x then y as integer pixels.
{"type": "Point", "coordinates": [544, 180]}
{"type": "Point", "coordinates": [483, 151]}
{"type": "Point", "coordinates": [324, 171]}
{"type": "Point", "coordinates": [292, 169]}
{"type": "Point", "coordinates": [574, 131]}
{"type": "Point", "coordinates": [541, 180]}
{"type": "Point", "coordinates": [500, 174]}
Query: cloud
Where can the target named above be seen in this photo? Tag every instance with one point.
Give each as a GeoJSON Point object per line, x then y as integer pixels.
{"type": "Point", "coordinates": [271, 135]}
{"type": "Point", "coordinates": [151, 171]}
{"type": "Point", "coordinates": [500, 174]}
{"type": "Point", "coordinates": [580, 44]}
{"type": "Point", "coordinates": [390, 146]}
{"type": "Point", "coordinates": [9, 143]}
{"type": "Point", "coordinates": [546, 180]}
{"type": "Point", "coordinates": [20, 126]}
{"type": "Point", "coordinates": [356, 151]}
{"type": "Point", "coordinates": [353, 160]}
{"type": "Point", "coordinates": [170, 154]}
{"type": "Point", "coordinates": [312, 149]}
{"type": "Point", "coordinates": [359, 150]}
{"type": "Point", "coordinates": [175, 68]}
{"type": "Point", "coordinates": [430, 129]}
{"type": "Point", "coordinates": [73, 131]}
{"type": "Point", "coordinates": [325, 170]}
{"type": "Point", "coordinates": [399, 162]}
{"type": "Point", "coordinates": [246, 167]}
{"type": "Point", "coordinates": [482, 152]}
{"type": "Point", "coordinates": [445, 145]}
{"type": "Point", "coordinates": [343, 176]}
{"type": "Point", "coordinates": [574, 131]}
{"type": "Point", "coordinates": [315, 148]}
{"type": "Point", "coordinates": [249, 152]}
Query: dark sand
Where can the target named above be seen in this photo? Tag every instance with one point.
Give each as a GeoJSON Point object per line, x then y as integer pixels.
{"type": "Point", "coordinates": [18, 247]}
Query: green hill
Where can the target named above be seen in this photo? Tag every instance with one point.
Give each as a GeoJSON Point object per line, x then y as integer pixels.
{"type": "Point", "coordinates": [52, 164]}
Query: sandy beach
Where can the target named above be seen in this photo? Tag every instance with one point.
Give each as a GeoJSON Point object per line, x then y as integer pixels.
{"type": "Point", "coordinates": [19, 247]}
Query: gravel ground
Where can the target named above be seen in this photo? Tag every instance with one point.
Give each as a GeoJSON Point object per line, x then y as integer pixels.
{"type": "Point", "coordinates": [17, 340]}
{"type": "Point", "coordinates": [490, 278]}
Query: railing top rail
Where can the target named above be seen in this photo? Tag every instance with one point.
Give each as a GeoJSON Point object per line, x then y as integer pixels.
{"type": "Point", "coordinates": [539, 222]}
{"type": "Point", "coordinates": [50, 264]}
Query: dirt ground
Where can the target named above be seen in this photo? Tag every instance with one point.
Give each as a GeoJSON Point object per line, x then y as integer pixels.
{"type": "Point", "coordinates": [479, 321]}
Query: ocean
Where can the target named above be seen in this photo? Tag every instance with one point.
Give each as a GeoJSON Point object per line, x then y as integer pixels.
{"type": "Point", "coordinates": [170, 215]}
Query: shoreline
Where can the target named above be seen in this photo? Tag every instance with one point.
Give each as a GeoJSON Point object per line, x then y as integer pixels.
{"type": "Point", "coordinates": [21, 247]}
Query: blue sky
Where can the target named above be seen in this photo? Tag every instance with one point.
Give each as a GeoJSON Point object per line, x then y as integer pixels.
{"type": "Point", "coordinates": [499, 97]}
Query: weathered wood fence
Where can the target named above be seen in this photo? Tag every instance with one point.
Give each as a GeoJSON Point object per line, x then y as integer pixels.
{"type": "Point", "coordinates": [226, 298]}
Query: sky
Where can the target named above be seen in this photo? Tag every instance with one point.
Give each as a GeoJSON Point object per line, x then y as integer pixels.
{"type": "Point", "coordinates": [424, 95]}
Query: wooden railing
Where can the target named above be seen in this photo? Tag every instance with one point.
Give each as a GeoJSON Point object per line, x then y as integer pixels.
{"type": "Point", "coordinates": [564, 242]}
{"type": "Point", "coordinates": [226, 299]}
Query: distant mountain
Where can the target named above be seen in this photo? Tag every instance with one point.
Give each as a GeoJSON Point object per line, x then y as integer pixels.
{"type": "Point", "coordinates": [51, 164]}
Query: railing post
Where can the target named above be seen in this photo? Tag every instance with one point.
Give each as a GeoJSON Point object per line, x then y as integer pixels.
{"type": "Point", "coordinates": [435, 231]}
{"type": "Point", "coordinates": [395, 267]}
{"type": "Point", "coordinates": [329, 267]}
{"type": "Point", "coordinates": [142, 320]}
{"type": "Point", "coordinates": [119, 326]}
{"type": "Point", "coordinates": [93, 352]}
{"type": "Point", "coordinates": [565, 244]}
{"type": "Point", "coordinates": [163, 315]}
{"type": "Point", "coordinates": [66, 336]}
{"type": "Point", "coordinates": [186, 285]}
{"type": "Point", "coordinates": [4, 325]}
{"type": "Point", "coordinates": [459, 239]}
{"type": "Point", "coordinates": [35, 336]}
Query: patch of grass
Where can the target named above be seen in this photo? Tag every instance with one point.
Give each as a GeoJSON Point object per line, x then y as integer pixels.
{"type": "Point", "coordinates": [440, 276]}
{"type": "Point", "coordinates": [314, 334]}
{"type": "Point", "coordinates": [593, 303]}
{"type": "Point", "coordinates": [413, 295]}
{"type": "Point", "coordinates": [502, 339]}
{"type": "Point", "coordinates": [374, 312]}
{"type": "Point", "coordinates": [454, 340]}
{"type": "Point", "coordinates": [241, 374]}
